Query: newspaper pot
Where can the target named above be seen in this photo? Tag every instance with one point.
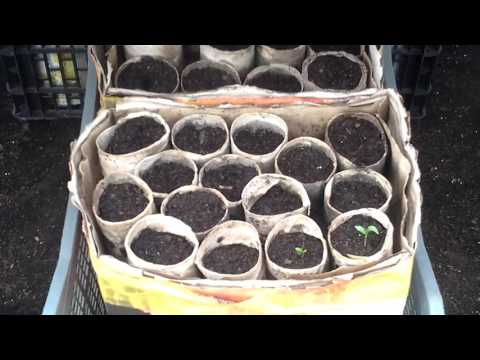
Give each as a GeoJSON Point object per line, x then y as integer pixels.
{"type": "Point", "coordinates": [112, 163]}
{"type": "Point", "coordinates": [200, 121]}
{"type": "Point", "coordinates": [173, 53]}
{"type": "Point", "coordinates": [229, 76]}
{"type": "Point", "coordinates": [191, 189]}
{"type": "Point", "coordinates": [258, 187]}
{"type": "Point", "coordinates": [234, 206]}
{"type": "Point", "coordinates": [169, 156]}
{"type": "Point", "coordinates": [292, 80]}
{"type": "Point", "coordinates": [363, 175]}
{"type": "Point", "coordinates": [314, 189]}
{"type": "Point", "coordinates": [163, 224]}
{"type": "Point", "coordinates": [346, 259]}
{"type": "Point", "coordinates": [116, 232]}
{"type": "Point", "coordinates": [296, 224]}
{"type": "Point", "coordinates": [281, 54]}
{"type": "Point", "coordinates": [255, 122]}
{"type": "Point", "coordinates": [345, 163]}
{"type": "Point", "coordinates": [310, 84]}
{"type": "Point", "coordinates": [231, 233]}
{"type": "Point", "coordinates": [242, 59]}
{"type": "Point", "coordinates": [357, 50]}
{"type": "Point", "coordinates": [148, 80]}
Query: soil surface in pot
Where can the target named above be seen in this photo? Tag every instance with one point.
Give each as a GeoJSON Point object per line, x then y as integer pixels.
{"type": "Point", "coordinates": [230, 47]}
{"type": "Point", "coordinates": [148, 74]}
{"type": "Point", "coordinates": [229, 179]}
{"type": "Point", "coordinates": [349, 241]}
{"type": "Point", "coordinates": [164, 177]}
{"type": "Point", "coordinates": [358, 140]}
{"type": "Point", "coordinates": [276, 201]}
{"type": "Point", "coordinates": [121, 202]}
{"type": "Point", "coordinates": [134, 135]}
{"type": "Point", "coordinates": [208, 78]}
{"type": "Point", "coordinates": [161, 248]}
{"type": "Point", "coordinates": [276, 81]}
{"type": "Point", "coordinates": [201, 210]}
{"type": "Point", "coordinates": [351, 49]}
{"type": "Point", "coordinates": [335, 73]}
{"type": "Point", "coordinates": [200, 140]}
{"type": "Point", "coordinates": [305, 164]}
{"type": "Point", "coordinates": [257, 141]}
{"type": "Point", "coordinates": [352, 194]}
{"type": "Point", "coordinates": [231, 259]}
{"type": "Point", "coordinates": [283, 47]}
{"type": "Point", "coordinates": [296, 251]}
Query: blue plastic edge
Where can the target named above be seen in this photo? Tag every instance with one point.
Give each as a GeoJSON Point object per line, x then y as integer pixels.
{"type": "Point", "coordinates": [53, 304]}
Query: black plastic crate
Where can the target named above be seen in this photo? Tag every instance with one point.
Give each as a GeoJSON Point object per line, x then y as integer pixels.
{"type": "Point", "coordinates": [414, 66]}
{"type": "Point", "coordinates": [45, 81]}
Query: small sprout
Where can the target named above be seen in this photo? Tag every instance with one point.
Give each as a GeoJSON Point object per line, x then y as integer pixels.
{"type": "Point", "coordinates": [367, 231]}
{"type": "Point", "coordinates": [301, 251]}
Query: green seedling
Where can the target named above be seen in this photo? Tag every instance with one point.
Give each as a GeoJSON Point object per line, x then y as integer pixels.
{"type": "Point", "coordinates": [371, 229]}
{"type": "Point", "coordinates": [301, 251]}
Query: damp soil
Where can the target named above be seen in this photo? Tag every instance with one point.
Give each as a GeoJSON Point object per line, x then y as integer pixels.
{"type": "Point", "coordinates": [305, 164]}
{"type": "Point", "coordinates": [352, 194]}
{"type": "Point", "coordinates": [200, 140]}
{"type": "Point", "coordinates": [231, 259]}
{"type": "Point", "coordinates": [335, 73]}
{"type": "Point", "coordinates": [201, 210]}
{"type": "Point", "coordinates": [358, 140]}
{"type": "Point", "coordinates": [149, 74]}
{"type": "Point", "coordinates": [121, 202]}
{"type": "Point", "coordinates": [165, 177]}
{"type": "Point", "coordinates": [257, 141]}
{"type": "Point", "coordinates": [161, 248]}
{"type": "Point", "coordinates": [296, 251]}
{"type": "Point", "coordinates": [276, 201]}
{"type": "Point", "coordinates": [208, 78]}
{"type": "Point", "coordinates": [351, 49]}
{"type": "Point", "coordinates": [276, 81]}
{"type": "Point", "coordinates": [134, 135]}
{"type": "Point", "coordinates": [229, 179]}
{"type": "Point", "coordinates": [347, 240]}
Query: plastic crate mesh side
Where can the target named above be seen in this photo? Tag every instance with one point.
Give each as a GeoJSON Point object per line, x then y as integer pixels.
{"type": "Point", "coordinates": [86, 299]}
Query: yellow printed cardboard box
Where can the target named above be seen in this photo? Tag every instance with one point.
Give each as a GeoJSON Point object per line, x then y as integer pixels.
{"type": "Point", "coordinates": [377, 288]}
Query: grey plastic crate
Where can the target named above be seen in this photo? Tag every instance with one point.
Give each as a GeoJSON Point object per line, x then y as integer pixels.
{"type": "Point", "coordinates": [74, 289]}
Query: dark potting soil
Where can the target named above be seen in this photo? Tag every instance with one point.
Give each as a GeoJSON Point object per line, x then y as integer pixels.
{"type": "Point", "coordinates": [149, 74]}
{"type": "Point", "coordinates": [201, 210]}
{"type": "Point", "coordinates": [209, 78]}
{"type": "Point", "coordinates": [121, 202]}
{"type": "Point", "coordinates": [257, 141]}
{"type": "Point", "coordinates": [164, 177]}
{"type": "Point", "coordinates": [276, 201]}
{"type": "Point", "coordinates": [305, 164]}
{"type": "Point", "coordinates": [283, 47]}
{"type": "Point", "coordinates": [347, 240]}
{"type": "Point", "coordinates": [231, 259]}
{"type": "Point", "coordinates": [351, 49]}
{"type": "Point", "coordinates": [356, 194]}
{"type": "Point", "coordinates": [272, 80]}
{"type": "Point", "coordinates": [230, 47]}
{"type": "Point", "coordinates": [335, 73]}
{"type": "Point", "coordinates": [161, 248]}
{"type": "Point", "coordinates": [200, 140]}
{"type": "Point", "coordinates": [357, 139]}
{"type": "Point", "coordinates": [229, 179]}
{"type": "Point", "coordinates": [283, 251]}
{"type": "Point", "coordinates": [134, 135]}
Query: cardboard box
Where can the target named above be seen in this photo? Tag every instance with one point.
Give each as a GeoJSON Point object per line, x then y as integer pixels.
{"type": "Point", "coordinates": [377, 288]}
